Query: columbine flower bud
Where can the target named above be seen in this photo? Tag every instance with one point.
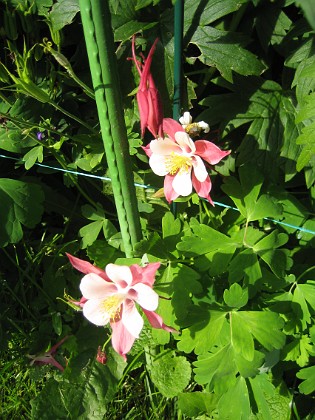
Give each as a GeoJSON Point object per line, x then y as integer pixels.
{"type": "Point", "coordinates": [148, 97]}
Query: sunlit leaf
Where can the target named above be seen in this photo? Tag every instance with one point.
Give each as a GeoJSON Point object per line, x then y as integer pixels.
{"type": "Point", "coordinates": [170, 373]}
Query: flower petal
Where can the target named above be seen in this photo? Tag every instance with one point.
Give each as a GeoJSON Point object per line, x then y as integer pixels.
{"type": "Point", "coordinates": [164, 147]}
{"type": "Point", "coordinates": [145, 275]}
{"type": "Point", "coordinates": [122, 340]}
{"type": "Point", "coordinates": [158, 165]}
{"type": "Point", "coordinates": [169, 192]}
{"type": "Point", "coordinates": [185, 119]}
{"type": "Point", "coordinates": [170, 127]}
{"type": "Point", "coordinates": [156, 321]}
{"type": "Point", "coordinates": [203, 188]}
{"type": "Point", "coordinates": [119, 274]}
{"type": "Point", "coordinates": [131, 318]}
{"type": "Point", "coordinates": [94, 311]}
{"type": "Point", "coordinates": [94, 287]}
{"type": "Point", "coordinates": [199, 169]}
{"type": "Point", "coordinates": [210, 152]}
{"type": "Point", "coordinates": [185, 142]}
{"type": "Point", "coordinates": [182, 183]}
{"type": "Point", "coordinates": [146, 297]}
{"type": "Point", "coordinates": [147, 150]}
{"type": "Point", "coordinates": [85, 267]}
{"type": "Point", "coordinates": [204, 126]}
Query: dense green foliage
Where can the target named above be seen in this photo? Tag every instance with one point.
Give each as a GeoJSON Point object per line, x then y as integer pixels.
{"type": "Point", "coordinates": [238, 286]}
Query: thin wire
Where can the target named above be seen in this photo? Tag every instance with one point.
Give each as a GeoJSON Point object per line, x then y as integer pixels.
{"type": "Point", "coordinates": [105, 178]}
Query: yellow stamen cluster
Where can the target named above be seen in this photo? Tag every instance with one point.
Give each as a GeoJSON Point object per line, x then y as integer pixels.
{"type": "Point", "coordinates": [112, 306]}
{"type": "Point", "coordinates": [177, 163]}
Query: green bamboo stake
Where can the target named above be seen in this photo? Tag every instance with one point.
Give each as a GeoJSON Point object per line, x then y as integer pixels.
{"type": "Point", "coordinates": [178, 47]}
{"type": "Point", "coordinates": [99, 40]}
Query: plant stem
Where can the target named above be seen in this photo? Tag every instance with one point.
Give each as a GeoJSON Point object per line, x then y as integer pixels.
{"type": "Point", "coordinates": [178, 48]}
{"type": "Point", "coordinates": [99, 40]}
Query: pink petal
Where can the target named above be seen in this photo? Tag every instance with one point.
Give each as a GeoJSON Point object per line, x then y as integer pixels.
{"type": "Point", "coordinates": [156, 321]}
{"type": "Point", "coordinates": [210, 152]}
{"type": "Point", "coordinates": [185, 142]}
{"type": "Point", "coordinates": [94, 287]}
{"type": "Point", "coordinates": [147, 298]}
{"type": "Point", "coordinates": [47, 360]}
{"type": "Point", "coordinates": [199, 169]}
{"type": "Point", "coordinates": [203, 188]}
{"type": "Point", "coordinates": [147, 150]}
{"type": "Point", "coordinates": [85, 267]}
{"type": "Point", "coordinates": [155, 116]}
{"type": "Point", "coordinates": [169, 192]}
{"type": "Point", "coordinates": [131, 318]}
{"type": "Point", "coordinates": [54, 348]}
{"type": "Point", "coordinates": [182, 183]}
{"type": "Point", "coordinates": [145, 275]}
{"type": "Point", "coordinates": [170, 127]}
{"type": "Point", "coordinates": [122, 340]}
{"type": "Point", "coordinates": [143, 106]}
{"type": "Point", "coordinates": [94, 311]}
{"type": "Point", "coordinates": [147, 65]}
{"type": "Point", "coordinates": [119, 274]}
{"type": "Point", "coordinates": [158, 165]}
{"type": "Point", "coordinates": [164, 147]}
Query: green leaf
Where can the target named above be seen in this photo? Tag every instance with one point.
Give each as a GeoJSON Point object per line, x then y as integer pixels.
{"type": "Point", "coordinates": [298, 350]}
{"type": "Point", "coordinates": [205, 239]}
{"type": "Point", "coordinates": [170, 373]}
{"type": "Point", "coordinates": [265, 327]}
{"type": "Point", "coordinates": [31, 157]}
{"type": "Point", "coordinates": [126, 30]}
{"type": "Point", "coordinates": [241, 337]}
{"type": "Point", "coordinates": [218, 369]}
{"type": "Point", "coordinates": [85, 396]}
{"type": "Point", "coordinates": [245, 266]}
{"type": "Point", "coordinates": [144, 3]}
{"type": "Point", "coordinates": [90, 232]}
{"type": "Point", "coordinates": [21, 204]}
{"type": "Point", "coordinates": [262, 387]}
{"type": "Point", "coordinates": [290, 150]}
{"type": "Point", "coordinates": [245, 194]}
{"type": "Point", "coordinates": [235, 297]}
{"type": "Point", "coordinates": [277, 259]}
{"type": "Point", "coordinates": [14, 141]}
{"type": "Point", "coordinates": [195, 403]}
{"type": "Point", "coordinates": [63, 12]}
{"type": "Point", "coordinates": [183, 282]}
{"type": "Point", "coordinates": [307, 140]}
{"type": "Point", "coordinates": [308, 290]}
{"type": "Point", "coordinates": [202, 336]}
{"type": "Point", "coordinates": [308, 9]}
{"type": "Point", "coordinates": [308, 385]}
{"type": "Point", "coordinates": [235, 403]}
{"type": "Point", "coordinates": [272, 25]}
{"type": "Point", "coordinates": [264, 138]}
{"type": "Point", "coordinates": [300, 307]}
{"type": "Point", "coordinates": [220, 49]}
{"type": "Point", "coordinates": [172, 231]}
{"type": "Point", "coordinates": [211, 11]}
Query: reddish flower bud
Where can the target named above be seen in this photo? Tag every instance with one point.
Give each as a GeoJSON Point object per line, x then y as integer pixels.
{"type": "Point", "coordinates": [101, 356]}
{"type": "Point", "coordinates": [148, 97]}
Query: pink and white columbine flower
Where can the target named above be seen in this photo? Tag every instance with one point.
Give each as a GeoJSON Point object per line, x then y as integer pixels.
{"type": "Point", "coordinates": [111, 296]}
{"type": "Point", "coordinates": [47, 358]}
{"type": "Point", "coordinates": [180, 160]}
